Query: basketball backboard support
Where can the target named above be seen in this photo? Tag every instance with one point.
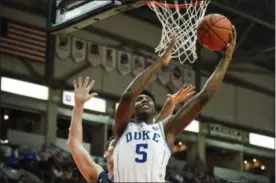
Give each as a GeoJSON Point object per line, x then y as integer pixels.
{"type": "Point", "coordinates": [70, 15]}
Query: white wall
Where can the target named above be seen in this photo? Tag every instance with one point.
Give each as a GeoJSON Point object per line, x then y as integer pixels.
{"type": "Point", "coordinates": [15, 65]}
{"type": "Point", "coordinates": [36, 141]}
{"type": "Point", "coordinates": [243, 107]}
{"type": "Point", "coordinates": [264, 80]}
{"type": "Point", "coordinates": [25, 139]}
{"type": "Point", "coordinates": [255, 110]}
{"type": "Point", "coordinates": [23, 17]}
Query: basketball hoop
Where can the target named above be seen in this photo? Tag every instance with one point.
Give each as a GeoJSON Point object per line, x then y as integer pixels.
{"type": "Point", "coordinates": [181, 24]}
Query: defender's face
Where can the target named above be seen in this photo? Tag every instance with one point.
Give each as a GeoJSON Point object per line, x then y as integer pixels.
{"type": "Point", "coordinates": [144, 105]}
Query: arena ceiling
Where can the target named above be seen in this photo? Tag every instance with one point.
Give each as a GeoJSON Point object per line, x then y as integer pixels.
{"type": "Point", "coordinates": [254, 20]}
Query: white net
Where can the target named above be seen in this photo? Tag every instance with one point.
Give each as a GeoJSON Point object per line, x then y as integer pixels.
{"type": "Point", "coordinates": [181, 21]}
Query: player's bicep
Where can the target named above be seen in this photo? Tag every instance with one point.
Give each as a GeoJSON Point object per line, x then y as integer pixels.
{"type": "Point", "coordinates": [123, 114]}
{"type": "Point", "coordinates": [88, 168]}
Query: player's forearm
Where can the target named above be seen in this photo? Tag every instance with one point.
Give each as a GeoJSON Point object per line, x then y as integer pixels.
{"type": "Point", "coordinates": [192, 108]}
{"type": "Point", "coordinates": [166, 110]}
{"type": "Point", "coordinates": [88, 168]}
{"type": "Point", "coordinates": [217, 77]}
{"type": "Point", "coordinates": [140, 82]}
{"type": "Point", "coordinates": [75, 130]}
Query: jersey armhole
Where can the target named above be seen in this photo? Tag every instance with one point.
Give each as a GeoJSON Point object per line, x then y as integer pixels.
{"type": "Point", "coordinates": [160, 124]}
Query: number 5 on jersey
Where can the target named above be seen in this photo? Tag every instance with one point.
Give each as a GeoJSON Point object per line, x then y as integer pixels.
{"type": "Point", "coordinates": [141, 152]}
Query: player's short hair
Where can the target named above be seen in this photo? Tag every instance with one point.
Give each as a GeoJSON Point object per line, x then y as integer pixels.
{"type": "Point", "coordinates": [107, 143]}
{"type": "Point", "coordinates": [148, 93]}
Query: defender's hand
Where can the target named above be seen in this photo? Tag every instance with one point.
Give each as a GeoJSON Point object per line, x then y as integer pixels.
{"type": "Point", "coordinates": [82, 91]}
{"type": "Point", "coordinates": [167, 56]}
{"type": "Point", "coordinates": [182, 94]}
{"type": "Point", "coordinates": [231, 46]}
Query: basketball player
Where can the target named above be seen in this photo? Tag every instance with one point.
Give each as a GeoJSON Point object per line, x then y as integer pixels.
{"type": "Point", "coordinates": [91, 171]}
{"type": "Point", "coordinates": [143, 151]}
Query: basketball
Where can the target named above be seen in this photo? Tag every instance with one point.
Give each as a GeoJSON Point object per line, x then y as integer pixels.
{"type": "Point", "coordinates": [213, 33]}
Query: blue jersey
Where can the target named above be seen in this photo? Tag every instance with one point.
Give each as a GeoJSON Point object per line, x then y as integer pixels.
{"type": "Point", "coordinates": [141, 154]}
{"type": "Point", "coordinates": [104, 178]}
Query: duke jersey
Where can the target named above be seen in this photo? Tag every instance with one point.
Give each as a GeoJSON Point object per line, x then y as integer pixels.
{"type": "Point", "coordinates": [141, 154]}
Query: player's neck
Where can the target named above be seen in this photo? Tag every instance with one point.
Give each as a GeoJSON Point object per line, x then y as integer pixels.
{"type": "Point", "coordinates": [146, 119]}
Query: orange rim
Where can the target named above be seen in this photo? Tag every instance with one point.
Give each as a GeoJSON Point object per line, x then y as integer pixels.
{"type": "Point", "coordinates": [154, 3]}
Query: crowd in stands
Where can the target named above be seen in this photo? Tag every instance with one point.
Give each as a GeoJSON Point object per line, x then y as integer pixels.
{"type": "Point", "coordinates": [48, 164]}
{"type": "Point", "coordinates": [52, 164]}
{"type": "Point", "coordinates": [179, 171]}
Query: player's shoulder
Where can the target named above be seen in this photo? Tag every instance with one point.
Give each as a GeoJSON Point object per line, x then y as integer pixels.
{"type": "Point", "coordinates": [158, 126]}
{"type": "Point", "coordinates": [104, 178]}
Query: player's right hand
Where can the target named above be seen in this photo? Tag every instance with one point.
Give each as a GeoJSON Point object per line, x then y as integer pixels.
{"type": "Point", "coordinates": [82, 90]}
{"type": "Point", "coordinates": [231, 47]}
{"type": "Point", "coordinates": [167, 56]}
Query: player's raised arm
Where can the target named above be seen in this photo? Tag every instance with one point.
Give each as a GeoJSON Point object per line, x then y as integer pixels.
{"type": "Point", "coordinates": [182, 94]}
{"type": "Point", "coordinates": [126, 104]}
{"type": "Point", "coordinates": [88, 168]}
{"type": "Point", "coordinates": [175, 125]}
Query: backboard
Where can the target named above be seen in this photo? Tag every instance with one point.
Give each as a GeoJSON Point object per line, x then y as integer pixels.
{"type": "Point", "coordinates": [70, 15]}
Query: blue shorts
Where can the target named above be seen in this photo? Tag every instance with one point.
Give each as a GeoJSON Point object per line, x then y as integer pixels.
{"type": "Point", "coordinates": [104, 178]}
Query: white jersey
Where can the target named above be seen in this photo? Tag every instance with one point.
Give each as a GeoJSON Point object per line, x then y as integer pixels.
{"type": "Point", "coordinates": [141, 154]}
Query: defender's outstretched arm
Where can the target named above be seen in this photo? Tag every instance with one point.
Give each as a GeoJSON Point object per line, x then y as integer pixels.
{"type": "Point", "coordinates": [88, 168]}
{"type": "Point", "coordinates": [191, 109]}
{"type": "Point", "coordinates": [125, 109]}
{"type": "Point", "coordinates": [182, 94]}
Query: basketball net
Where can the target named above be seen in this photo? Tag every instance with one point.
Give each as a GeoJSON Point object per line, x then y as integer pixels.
{"type": "Point", "coordinates": [181, 24]}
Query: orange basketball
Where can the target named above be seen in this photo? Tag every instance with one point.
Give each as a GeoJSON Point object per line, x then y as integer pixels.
{"type": "Point", "coordinates": [213, 33]}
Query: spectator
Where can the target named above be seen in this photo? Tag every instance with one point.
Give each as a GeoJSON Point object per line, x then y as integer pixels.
{"type": "Point", "coordinates": [7, 152]}
{"type": "Point", "coordinates": [58, 172]}
{"type": "Point", "coordinates": [31, 156]}
{"type": "Point", "coordinates": [16, 152]}
{"type": "Point", "coordinates": [63, 169]}
{"type": "Point", "coordinates": [44, 154]}
{"type": "Point", "coordinates": [13, 162]}
{"type": "Point", "coordinates": [68, 174]}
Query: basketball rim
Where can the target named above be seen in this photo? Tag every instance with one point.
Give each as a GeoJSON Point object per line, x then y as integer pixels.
{"type": "Point", "coordinates": [174, 4]}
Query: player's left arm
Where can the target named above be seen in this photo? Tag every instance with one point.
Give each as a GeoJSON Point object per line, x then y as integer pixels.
{"type": "Point", "coordinates": [175, 124]}
{"type": "Point", "coordinates": [88, 168]}
{"type": "Point", "coordinates": [182, 94]}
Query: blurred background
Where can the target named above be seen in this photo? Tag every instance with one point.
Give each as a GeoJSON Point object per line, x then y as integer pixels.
{"type": "Point", "coordinates": [44, 45]}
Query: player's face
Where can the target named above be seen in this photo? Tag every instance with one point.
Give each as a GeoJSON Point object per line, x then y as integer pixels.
{"type": "Point", "coordinates": [144, 105]}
